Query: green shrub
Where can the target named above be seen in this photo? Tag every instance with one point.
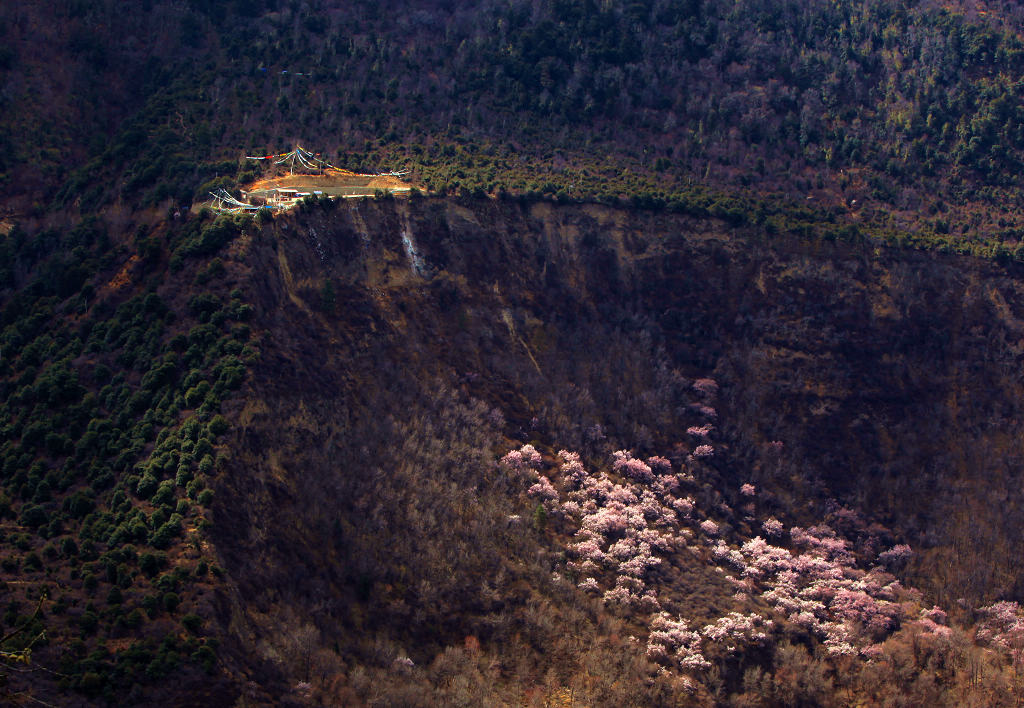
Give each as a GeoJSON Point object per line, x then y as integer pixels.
{"type": "Point", "coordinates": [184, 476]}
{"type": "Point", "coordinates": [151, 563]}
{"type": "Point", "coordinates": [22, 541]}
{"type": "Point", "coordinates": [165, 534]}
{"type": "Point", "coordinates": [211, 404]}
{"type": "Point", "coordinates": [218, 425]}
{"type": "Point", "coordinates": [158, 517]}
{"type": "Point", "coordinates": [169, 582]}
{"type": "Point", "coordinates": [151, 603]}
{"type": "Point", "coordinates": [192, 622]}
{"type": "Point", "coordinates": [89, 582]}
{"type": "Point", "coordinates": [240, 311]}
{"type": "Point", "coordinates": [32, 562]}
{"type": "Point", "coordinates": [78, 505]}
{"type": "Point", "coordinates": [33, 516]}
{"type": "Point", "coordinates": [91, 684]}
{"type": "Point", "coordinates": [147, 486]}
{"type": "Point", "coordinates": [68, 547]}
{"type": "Point", "coordinates": [211, 238]}
{"type": "Point", "coordinates": [164, 493]}
{"type": "Point", "coordinates": [170, 601]}
{"type": "Point", "coordinates": [60, 605]}
{"type": "Point", "coordinates": [195, 396]}
{"type": "Point", "coordinates": [206, 657]}
{"type": "Point", "coordinates": [88, 550]}
{"type": "Point", "coordinates": [540, 518]}
{"type": "Point", "coordinates": [204, 305]}
{"type": "Point", "coordinates": [133, 619]}
{"type": "Point", "coordinates": [88, 622]}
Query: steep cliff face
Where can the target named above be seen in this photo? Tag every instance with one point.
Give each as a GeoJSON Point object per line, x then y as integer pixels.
{"type": "Point", "coordinates": [406, 344]}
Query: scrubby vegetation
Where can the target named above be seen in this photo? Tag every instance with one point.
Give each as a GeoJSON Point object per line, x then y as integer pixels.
{"type": "Point", "coordinates": [111, 421]}
{"type": "Point", "coordinates": [670, 383]}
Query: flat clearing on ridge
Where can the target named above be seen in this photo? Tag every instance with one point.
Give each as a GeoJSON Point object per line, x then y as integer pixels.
{"type": "Point", "coordinates": [335, 183]}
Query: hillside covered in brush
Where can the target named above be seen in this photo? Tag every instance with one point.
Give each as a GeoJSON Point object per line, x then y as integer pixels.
{"type": "Point", "coordinates": [688, 373]}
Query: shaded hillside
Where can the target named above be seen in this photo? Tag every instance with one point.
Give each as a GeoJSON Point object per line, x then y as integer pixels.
{"type": "Point", "coordinates": [891, 377]}
{"type": "Point", "coordinates": [290, 489]}
{"type": "Point", "coordinates": [384, 395]}
{"type": "Point", "coordinates": [673, 386]}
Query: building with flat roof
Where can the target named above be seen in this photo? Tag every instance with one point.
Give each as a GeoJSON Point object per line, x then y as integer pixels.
{"type": "Point", "coordinates": [274, 196]}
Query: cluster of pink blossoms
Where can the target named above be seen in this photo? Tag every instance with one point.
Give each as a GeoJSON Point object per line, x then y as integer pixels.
{"type": "Point", "coordinates": [546, 492]}
{"type": "Point", "coordinates": [709, 527]}
{"type": "Point", "coordinates": [524, 461]}
{"type": "Point", "coordinates": [700, 431]}
{"type": "Point", "coordinates": [703, 451]}
{"type": "Point", "coordinates": [621, 527]}
{"type": "Point", "coordinates": [896, 557]}
{"type": "Point", "coordinates": [703, 409]}
{"type": "Point", "coordinates": [627, 521]}
{"type": "Point", "coordinates": [1002, 626]}
{"type": "Point", "coordinates": [631, 468]}
{"type": "Point", "coordinates": [933, 622]}
{"type": "Point", "coordinates": [821, 590]}
{"type": "Point", "coordinates": [706, 388]}
{"type": "Point", "coordinates": [673, 640]}
{"type": "Point", "coordinates": [736, 630]}
{"type": "Point", "coordinates": [773, 527]}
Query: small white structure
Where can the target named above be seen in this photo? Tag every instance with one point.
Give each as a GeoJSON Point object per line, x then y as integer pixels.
{"type": "Point", "coordinates": [282, 197]}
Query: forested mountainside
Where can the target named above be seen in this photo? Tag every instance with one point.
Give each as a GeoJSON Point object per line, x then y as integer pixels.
{"type": "Point", "coordinates": [688, 374]}
{"type": "Point", "coordinates": [899, 120]}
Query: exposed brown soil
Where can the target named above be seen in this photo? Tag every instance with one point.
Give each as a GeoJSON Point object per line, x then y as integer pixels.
{"type": "Point", "coordinates": [341, 181]}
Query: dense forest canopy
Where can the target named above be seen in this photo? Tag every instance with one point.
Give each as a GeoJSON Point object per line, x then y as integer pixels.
{"type": "Point", "coordinates": [876, 111]}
